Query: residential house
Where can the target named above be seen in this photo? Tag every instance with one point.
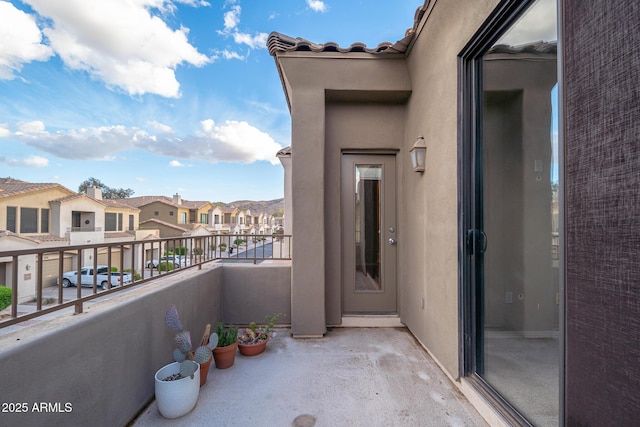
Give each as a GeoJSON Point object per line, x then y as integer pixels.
{"type": "Point", "coordinates": [42, 215]}
{"type": "Point", "coordinates": [433, 163]}
{"type": "Point", "coordinates": [175, 211]}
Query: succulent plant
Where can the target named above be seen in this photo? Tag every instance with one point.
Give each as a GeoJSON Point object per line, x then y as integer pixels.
{"type": "Point", "coordinates": [227, 335]}
{"type": "Point", "coordinates": [255, 334]}
{"type": "Point", "coordinates": [182, 352]}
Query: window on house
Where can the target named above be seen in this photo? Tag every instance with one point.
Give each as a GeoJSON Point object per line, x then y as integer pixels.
{"type": "Point", "coordinates": [44, 220]}
{"type": "Point", "coordinates": [11, 219]}
{"type": "Point", "coordinates": [76, 217]}
{"type": "Point", "coordinates": [170, 213]}
{"type": "Point", "coordinates": [131, 224]}
{"type": "Point", "coordinates": [110, 222]}
{"type": "Point", "coordinates": [216, 219]}
{"type": "Point", "coordinates": [156, 213]}
{"type": "Point", "coordinates": [183, 218]}
{"type": "Point", "coordinates": [120, 217]}
{"type": "Point", "coordinates": [204, 218]}
{"type": "Point", "coordinates": [28, 220]}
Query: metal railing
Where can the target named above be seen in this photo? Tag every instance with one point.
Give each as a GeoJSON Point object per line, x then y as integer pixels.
{"type": "Point", "coordinates": [142, 259]}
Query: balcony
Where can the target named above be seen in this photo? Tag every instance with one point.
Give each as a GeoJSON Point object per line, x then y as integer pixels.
{"type": "Point", "coordinates": [101, 361]}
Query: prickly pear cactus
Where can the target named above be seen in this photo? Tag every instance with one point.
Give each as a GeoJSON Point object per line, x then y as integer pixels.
{"type": "Point", "coordinates": [213, 341]}
{"type": "Point", "coordinates": [178, 355]}
{"type": "Point", "coordinates": [172, 319]}
{"type": "Point", "coordinates": [187, 368]}
{"type": "Point", "coordinates": [202, 354]}
{"type": "Point", "coordinates": [183, 341]}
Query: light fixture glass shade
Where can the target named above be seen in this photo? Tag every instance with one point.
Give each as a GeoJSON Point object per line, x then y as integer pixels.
{"type": "Point", "coordinates": [418, 154]}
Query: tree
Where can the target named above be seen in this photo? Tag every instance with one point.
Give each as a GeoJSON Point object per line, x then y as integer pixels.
{"type": "Point", "coordinates": [107, 192]}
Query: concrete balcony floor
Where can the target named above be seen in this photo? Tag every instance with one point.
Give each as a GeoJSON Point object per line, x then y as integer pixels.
{"type": "Point", "coordinates": [351, 377]}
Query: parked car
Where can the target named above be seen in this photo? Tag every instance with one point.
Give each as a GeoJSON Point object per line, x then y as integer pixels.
{"type": "Point", "coordinates": [70, 278]}
{"type": "Point", "coordinates": [177, 260]}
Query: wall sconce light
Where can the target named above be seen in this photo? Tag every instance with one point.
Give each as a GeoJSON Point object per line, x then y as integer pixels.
{"type": "Point", "coordinates": [27, 267]}
{"type": "Point", "coordinates": [418, 154]}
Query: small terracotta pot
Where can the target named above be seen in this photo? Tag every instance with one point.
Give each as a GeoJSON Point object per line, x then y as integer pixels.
{"type": "Point", "coordinates": [252, 349]}
{"type": "Point", "coordinates": [204, 371]}
{"type": "Point", "coordinates": [225, 356]}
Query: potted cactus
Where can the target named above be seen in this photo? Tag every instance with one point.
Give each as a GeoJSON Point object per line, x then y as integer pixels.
{"type": "Point", "coordinates": [253, 340]}
{"type": "Point", "coordinates": [225, 353]}
{"type": "Point", "coordinates": [177, 384]}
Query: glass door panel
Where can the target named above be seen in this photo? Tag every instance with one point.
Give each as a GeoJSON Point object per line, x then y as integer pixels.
{"type": "Point", "coordinates": [367, 228]}
{"type": "Point", "coordinates": [518, 316]}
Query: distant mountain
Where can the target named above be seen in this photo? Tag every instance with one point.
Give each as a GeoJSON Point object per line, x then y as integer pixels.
{"type": "Point", "coordinates": [268, 206]}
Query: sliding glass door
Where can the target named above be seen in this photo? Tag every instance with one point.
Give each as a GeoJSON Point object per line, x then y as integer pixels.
{"type": "Point", "coordinates": [512, 200]}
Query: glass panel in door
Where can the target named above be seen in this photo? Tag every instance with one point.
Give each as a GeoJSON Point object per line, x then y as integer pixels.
{"type": "Point", "coordinates": [518, 348]}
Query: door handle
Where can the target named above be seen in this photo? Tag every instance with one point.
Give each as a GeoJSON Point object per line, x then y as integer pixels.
{"type": "Point", "coordinates": [392, 241]}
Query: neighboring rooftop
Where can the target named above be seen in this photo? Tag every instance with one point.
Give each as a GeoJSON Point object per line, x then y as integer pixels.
{"type": "Point", "coordinates": [13, 187]}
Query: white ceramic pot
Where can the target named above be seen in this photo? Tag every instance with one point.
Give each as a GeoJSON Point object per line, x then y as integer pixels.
{"type": "Point", "coordinates": [179, 397]}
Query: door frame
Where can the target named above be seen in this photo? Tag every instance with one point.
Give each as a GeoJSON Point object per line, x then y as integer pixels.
{"type": "Point", "coordinates": [388, 273]}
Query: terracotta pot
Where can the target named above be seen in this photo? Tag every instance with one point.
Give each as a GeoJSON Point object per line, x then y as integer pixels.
{"type": "Point", "coordinates": [225, 356]}
{"type": "Point", "coordinates": [252, 349]}
{"type": "Point", "coordinates": [204, 371]}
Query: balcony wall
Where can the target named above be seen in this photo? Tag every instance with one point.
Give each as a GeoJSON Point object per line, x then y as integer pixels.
{"type": "Point", "coordinates": [102, 362]}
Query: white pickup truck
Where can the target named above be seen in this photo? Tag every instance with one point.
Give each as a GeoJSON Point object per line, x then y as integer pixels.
{"type": "Point", "coordinates": [70, 278]}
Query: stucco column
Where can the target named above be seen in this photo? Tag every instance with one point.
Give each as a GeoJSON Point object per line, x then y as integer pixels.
{"type": "Point", "coordinates": [307, 194]}
{"type": "Point", "coordinates": [284, 156]}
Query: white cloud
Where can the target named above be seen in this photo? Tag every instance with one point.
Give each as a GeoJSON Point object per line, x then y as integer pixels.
{"type": "Point", "coordinates": [257, 41]}
{"type": "Point", "coordinates": [4, 130]}
{"type": "Point", "coordinates": [236, 141]}
{"type": "Point", "coordinates": [175, 164]}
{"type": "Point", "coordinates": [120, 42]}
{"type": "Point", "coordinates": [226, 54]}
{"type": "Point", "coordinates": [232, 141]}
{"type": "Point", "coordinates": [160, 126]}
{"type": "Point", "coordinates": [28, 162]}
{"type": "Point", "coordinates": [33, 127]}
{"type": "Point", "coordinates": [317, 5]}
{"type": "Point", "coordinates": [232, 18]}
{"type": "Point", "coordinates": [231, 22]}
{"type": "Point", "coordinates": [20, 41]}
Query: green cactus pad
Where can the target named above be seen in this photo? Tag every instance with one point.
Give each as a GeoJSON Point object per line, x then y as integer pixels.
{"type": "Point", "coordinates": [202, 354]}
{"type": "Point", "coordinates": [183, 341]}
{"type": "Point", "coordinates": [187, 368]}
{"type": "Point", "coordinates": [172, 319]}
{"type": "Point", "coordinates": [178, 355]}
{"type": "Point", "coordinates": [213, 341]}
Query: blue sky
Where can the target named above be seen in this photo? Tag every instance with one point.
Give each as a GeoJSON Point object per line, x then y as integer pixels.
{"type": "Point", "coordinates": [162, 96]}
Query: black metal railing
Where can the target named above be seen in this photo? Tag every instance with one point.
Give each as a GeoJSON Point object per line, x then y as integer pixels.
{"type": "Point", "coordinates": [35, 270]}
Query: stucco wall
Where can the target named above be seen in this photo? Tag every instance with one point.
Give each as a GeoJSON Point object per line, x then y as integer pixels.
{"type": "Point", "coordinates": [353, 125]}
{"type": "Point", "coordinates": [250, 292]}
{"type": "Point", "coordinates": [429, 263]}
{"type": "Point", "coordinates": [102, 362]}
{"type": "Point", "coordinates": [309, 80]}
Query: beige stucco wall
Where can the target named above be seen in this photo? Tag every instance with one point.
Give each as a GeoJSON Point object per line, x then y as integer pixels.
{"type": "Point", "coordinates": [429, 265]}
{"type": "Point", "coordinates": [369, 78]}
{"type": "Point", "coordinates": [163, 209]}
{"type": "Point", "coordinates": [354, 125]}
{"type": "Point", "coordinates": [35, 199]}
{"type": "Point", "coordinates": [358, 100]}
